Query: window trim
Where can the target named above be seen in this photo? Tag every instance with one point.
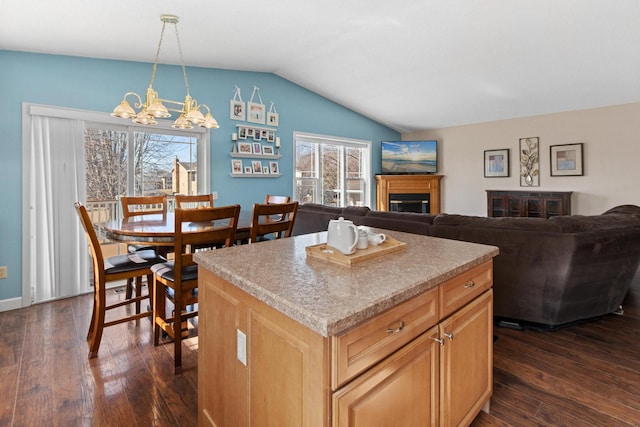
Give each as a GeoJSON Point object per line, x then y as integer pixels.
{"type": "Point", "coordinates": [341, 142]}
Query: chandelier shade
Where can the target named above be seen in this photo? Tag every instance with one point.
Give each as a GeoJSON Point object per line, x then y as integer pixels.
{"type": "Point", "coordinates": [189, 111]}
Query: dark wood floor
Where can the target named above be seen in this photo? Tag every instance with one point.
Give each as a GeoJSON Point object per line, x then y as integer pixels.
{"type": "Point", "coordinates": [586, 375]}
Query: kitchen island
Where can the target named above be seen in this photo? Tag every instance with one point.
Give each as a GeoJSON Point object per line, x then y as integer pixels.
{"type": "Point", "coordinates": [287, 340]}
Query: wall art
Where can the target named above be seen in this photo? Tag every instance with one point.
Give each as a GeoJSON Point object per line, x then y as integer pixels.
{"type": "Point", "coordinates": [566, 160]}
{"type": "Point", "coordinates": [496, 163]}
{"type": "Point", "coordinates": [529, 162]}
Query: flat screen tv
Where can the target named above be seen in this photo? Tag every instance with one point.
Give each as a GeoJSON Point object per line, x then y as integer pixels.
{"type": "Point", "coordinates": [409, 157]}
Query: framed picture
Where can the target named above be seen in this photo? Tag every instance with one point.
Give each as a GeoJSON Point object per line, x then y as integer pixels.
{"type": "Point", "coordinates": [271, 136]}
{"type": "Point", "coordinates": [529, 162]}
{"type": "Point", "coordinates": [236, 109]}
{"type": "Point", "coordinates": [268, 150]}
{"type": "Point", "coordinates": [274, 168]}
{"type": "Point", "coordinates": [257, 166]}
{"type": "Point", "coordinates": [496, 163]}
{"type": "Point", "coordinates": [272, 119]}
{"type": "Point", "coordinates": [236, 166]}
{"type": "Point", "coordinates": [257, 135]}
{"type": "Point", "coordinates": [250, 133]}
{"type": "Point", "coordinates": [247, 169]}
{"type": "Point", "coordinates": [566, 160]}
{"type": "Point", "coordinates": [257, 148]}
{"type": "Point", "coordinates": [244, 148]}
{"type": "Point", "coordinates": [242, 133]}
{"type": "Point", "coordinates": [255, 112]}
{"type": "Point", "coordinates": [265, 170]}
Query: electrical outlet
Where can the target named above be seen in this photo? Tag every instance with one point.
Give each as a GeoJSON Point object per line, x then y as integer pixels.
{"type": "Point", "coordinates": [215, 195]}
{"type": "Point", "coordinates": [3, 272]}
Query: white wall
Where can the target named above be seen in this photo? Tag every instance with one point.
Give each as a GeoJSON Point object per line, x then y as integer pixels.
{"type": "Point", "coordinates": [611, 138]}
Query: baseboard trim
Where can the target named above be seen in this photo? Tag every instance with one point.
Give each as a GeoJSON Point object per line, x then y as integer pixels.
{"type": "Point", "coordinates": [10, 304]}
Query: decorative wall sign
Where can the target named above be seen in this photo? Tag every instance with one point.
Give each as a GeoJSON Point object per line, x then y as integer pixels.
{"type": "Point", "coordinates": [566, 160]}
{"type": "Point", "coordinates": [236, 106]}
{"type": "Point", "coordinates": [529, 166]}
{"type": "Point", "coordinates": [256, 111]}
{"type": "Point", "coordinates": [272, 116]}
{"type": "Point", "coordinates": [496, 163]}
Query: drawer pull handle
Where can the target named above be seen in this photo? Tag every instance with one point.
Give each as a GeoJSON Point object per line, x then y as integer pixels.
{"type": "Point", "coordinates": [439, 340]}
{"type": "Point", "coordinates": [470, 284]}
{"type": "Point", "coordinates": [398, 329]}
{"type": "Point", "coordinates": [450, 336]}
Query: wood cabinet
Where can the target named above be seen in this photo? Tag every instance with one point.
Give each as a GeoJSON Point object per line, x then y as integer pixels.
{"type": "Point", "coordinates": [425, 361]}
{"type": "Point", "coordinates": [536, 204]}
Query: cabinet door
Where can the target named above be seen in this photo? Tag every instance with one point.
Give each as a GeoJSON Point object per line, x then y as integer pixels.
{"type": "Point", "coordinates": [400, 391]}
{"type": "Point", "coordinates": [466, 376]}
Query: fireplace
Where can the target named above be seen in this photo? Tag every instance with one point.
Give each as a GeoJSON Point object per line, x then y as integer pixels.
{"type": "Point", "coordinates": [408, 193]}
{"type": "Point", "coordinates": [413, 202]}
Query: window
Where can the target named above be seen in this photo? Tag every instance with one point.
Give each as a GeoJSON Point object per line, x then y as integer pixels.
{"type": "Point", "coordinates": [146, 164]}
{"type": "Point", "coordinates": [332, 171]}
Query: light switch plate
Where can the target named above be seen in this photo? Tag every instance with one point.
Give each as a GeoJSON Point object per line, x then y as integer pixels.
{"type": "Point", "coordinates": [242, 347]}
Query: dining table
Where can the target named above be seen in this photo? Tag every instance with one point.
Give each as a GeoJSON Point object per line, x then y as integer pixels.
{"type": "Point", "coordinates": [159, 229]}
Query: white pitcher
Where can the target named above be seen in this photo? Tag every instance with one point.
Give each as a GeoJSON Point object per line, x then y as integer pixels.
{"type": "Point", "coordinates": [342, 235]}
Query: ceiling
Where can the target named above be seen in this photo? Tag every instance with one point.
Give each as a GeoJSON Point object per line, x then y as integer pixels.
{"type": "Point", "coordinates": [410, 64]}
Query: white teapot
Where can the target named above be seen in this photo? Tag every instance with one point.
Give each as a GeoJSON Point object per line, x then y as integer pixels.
{"type": "Point", "coordinates": [342, 235]}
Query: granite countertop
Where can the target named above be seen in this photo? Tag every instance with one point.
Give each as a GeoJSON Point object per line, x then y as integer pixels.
{"type": "Point", "coordinates": [330, 298]}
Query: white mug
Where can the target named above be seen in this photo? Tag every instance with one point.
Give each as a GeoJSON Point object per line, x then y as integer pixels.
{"type": "Point", "coordinates": [376, 239]}
{"type": "Point", "coordinates": [363, 241]}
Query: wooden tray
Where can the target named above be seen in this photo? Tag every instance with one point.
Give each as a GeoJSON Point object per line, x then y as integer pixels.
{"type": "Point", "coordinates": [327, 253]}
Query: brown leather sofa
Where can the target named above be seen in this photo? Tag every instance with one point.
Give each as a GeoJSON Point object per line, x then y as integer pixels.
{"type": "Point", "coordinates": [550, 273]}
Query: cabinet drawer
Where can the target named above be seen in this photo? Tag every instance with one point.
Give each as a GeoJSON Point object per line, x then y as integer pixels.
{"type": "Point", "coordinates": [456, 292]}
{"type": "Point", "coordinates": [364, 345]}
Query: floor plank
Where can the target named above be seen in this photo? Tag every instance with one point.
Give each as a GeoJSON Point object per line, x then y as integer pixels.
{"type": "Point", "coordinates": [584, 375]}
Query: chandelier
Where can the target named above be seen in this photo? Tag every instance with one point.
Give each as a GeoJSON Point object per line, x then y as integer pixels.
{"type": "Point", "coordinates": [153, 107]}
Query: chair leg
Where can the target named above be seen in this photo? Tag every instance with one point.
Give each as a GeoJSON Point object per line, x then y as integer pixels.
{"type": "Point", "coordinates": [97, 321]}
{"type": "Point", "coordinates": [129, 292]}
{"type": "Point", "coordinates": [177, 332]}
{"type": "Point", "coordinates": [93, 315]}
{"type": "Point", "coordinates": [159, 309]}
{"type": "Point", "coordinates": [138, 292]}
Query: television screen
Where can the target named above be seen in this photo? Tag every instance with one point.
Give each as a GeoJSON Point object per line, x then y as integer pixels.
{"type": "Point", "coordinates": [404, 157]}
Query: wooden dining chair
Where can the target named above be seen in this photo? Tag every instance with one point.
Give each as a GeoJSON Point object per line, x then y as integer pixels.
{"type": "Point", "coordinates": [178, 280]}
{"type": "Point", "coordinates": [194, 201]}
{"type": "Point", "coordinates": [271, 199]}
{"type": "Point", "coordinates": [143, 205]}
{"type": "Point", "coordinates": [116, 268]}
{"type": "Point", "coordinates": [271, 221]}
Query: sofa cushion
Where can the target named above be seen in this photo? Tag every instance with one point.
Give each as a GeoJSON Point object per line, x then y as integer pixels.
{"type": "Point", "coordinates": [409, 222]}
{"type": "Point", "coordinates": [531, 224]}
{"type": "Point", "coordinates": [625, 210]}
{"type": "Point", "coordinates": [581, 223]}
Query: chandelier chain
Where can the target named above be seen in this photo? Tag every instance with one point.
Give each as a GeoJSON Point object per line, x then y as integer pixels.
{"type": "Point", "coordinates": [155, 61]}
{"type": "Point", "coordinates": [184, 69]}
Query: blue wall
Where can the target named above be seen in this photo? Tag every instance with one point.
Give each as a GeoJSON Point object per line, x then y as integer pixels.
{"type": "Point", "coordinates": [98, 85]}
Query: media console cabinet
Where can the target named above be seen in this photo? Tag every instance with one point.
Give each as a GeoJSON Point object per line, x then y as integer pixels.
{"type": "Point", "coordinates": [288, 340]}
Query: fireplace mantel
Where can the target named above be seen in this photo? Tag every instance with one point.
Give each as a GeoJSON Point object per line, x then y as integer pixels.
{"type": "Point", "coordinates": [408, 184]}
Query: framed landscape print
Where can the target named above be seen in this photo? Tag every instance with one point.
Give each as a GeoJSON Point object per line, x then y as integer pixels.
{"type": "Point", "coordinates": [267, 149]}
{"type": "Point", "coordinates": [566, 160]}
{"type": "Point", "coordinates": [496, 163]}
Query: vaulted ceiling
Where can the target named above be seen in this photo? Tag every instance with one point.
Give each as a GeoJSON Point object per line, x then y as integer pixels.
{"type": "Point", "coordinates": [410, 64]}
